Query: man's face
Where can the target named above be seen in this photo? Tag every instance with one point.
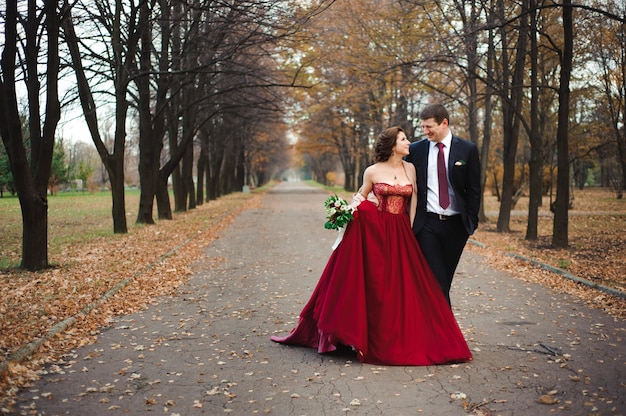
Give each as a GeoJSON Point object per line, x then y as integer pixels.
{"type": "Point", "coordinates": [435, 132]}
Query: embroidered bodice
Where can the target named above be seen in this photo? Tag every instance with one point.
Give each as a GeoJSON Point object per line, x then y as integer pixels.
{"type": "Point", "coordinates": [393, 198]}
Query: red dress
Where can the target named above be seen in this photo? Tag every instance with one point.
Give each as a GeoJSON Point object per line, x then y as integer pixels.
{"type": "Point", "coordinates": [378, 295]}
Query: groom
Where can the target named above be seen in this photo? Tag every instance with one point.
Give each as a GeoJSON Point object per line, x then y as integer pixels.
{"type": "Point", "coordinates": [448, 197]}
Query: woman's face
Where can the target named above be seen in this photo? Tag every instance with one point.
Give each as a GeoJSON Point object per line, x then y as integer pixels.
{"type": "Point", "coordinates": [402, 144]}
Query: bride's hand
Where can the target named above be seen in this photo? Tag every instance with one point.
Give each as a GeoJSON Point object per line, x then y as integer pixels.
{"type": "Point", "coordinates": [356, 201]}
{"type": "Point", "coordinates": [372, 198]}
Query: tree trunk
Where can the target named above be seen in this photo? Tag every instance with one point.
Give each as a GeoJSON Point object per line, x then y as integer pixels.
{"type": "Point", "coordinates": [240, 172]}
{"type": "Point", "coordinates": [31, 180]}
{"type": "Point", "coordinates": [178, 189]}
{"type": "Point", "coordinates": [35, 233]}
{"type": "Point", "coordinates": [113, 162]}
{"type": "Point", "coordinates": [174, 109]}
{"type": "Point", "coordinates": [165, 110]}
{"type": "Point", "coordinates": [163, 198]}
{"type": "Point", "coordinates": [201, 170]}
{"type": "Point", "coordinates": [511, 108]}
{"type": "Point", "coordinates": [536, 150]}
{"type": "Point", "coordinates": [149, 143]}
{"type": "Point", "coordinates": [349, 156]}
{"type": "Point", "coordinates": [177, 180]}
{"type": "Point", "coordinates": [212, 173]}
{"type": "Point", "coordinates": [484, 150]}
{"type": "Point", "coordinates": [116, 179]}
{"type": "Point", "coordinates": [187, 170]}
{"type": "Point", "coordinates": [470, 40]}
{"type": "Point", "coordinates": [148, 174]}
{"type": "Point", "coordinates": [212, 184]}
{"type": "Point", "coordinates": [621, 133]}
{"type": "Point", "coordinates": [560, 237]}
{"type": "Point", "coordinates": [226, 167]}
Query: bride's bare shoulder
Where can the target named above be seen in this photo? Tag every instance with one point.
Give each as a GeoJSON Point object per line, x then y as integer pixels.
{"type": "Point", "coordinates": [374, 168]}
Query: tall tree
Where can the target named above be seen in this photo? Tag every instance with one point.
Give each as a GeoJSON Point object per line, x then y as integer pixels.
{"type": "Point", "coordinates": [116, 32]}
{"type": "Point", "coordinates": [151, 125]}
{"type": "Point", "coordinates": [215, 58]}
{"type": "Point", "coordinates": [560, 227]}
{"type": "Point", "coordinates": [488, 105]}
{"type": "Point", "coordinates": [512, 93]}
{"type": "Point", "coordinates": [39, 59]}
{"type": "Point", "coordinates": [610, 54]}
{"type": "Point", "coordinates": [364, 84]}
{"type": "Point", "coordinates": [536, 154]}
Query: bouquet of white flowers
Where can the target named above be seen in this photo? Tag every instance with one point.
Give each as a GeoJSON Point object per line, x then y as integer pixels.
{"type": "Point", "coordinates": [338, 213]}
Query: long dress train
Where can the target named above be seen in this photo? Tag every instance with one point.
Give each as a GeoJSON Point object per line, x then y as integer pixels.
{"type": "Point", "coordinates": [378, 295]}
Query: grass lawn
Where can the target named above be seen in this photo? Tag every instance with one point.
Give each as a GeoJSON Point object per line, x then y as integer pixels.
{"type": "Point", "coordinates": [73, 218]}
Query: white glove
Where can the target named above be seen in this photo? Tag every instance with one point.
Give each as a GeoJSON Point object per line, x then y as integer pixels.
{"type": "Point", "coordinates": [372, 198]}
{"type": "Point", "coordinates": [356, 200]}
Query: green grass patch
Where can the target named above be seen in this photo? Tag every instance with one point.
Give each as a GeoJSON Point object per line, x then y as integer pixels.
{"type": "Point", "coordinates": [73, 218]}
{"type": "Point", "coordinates": [76, 218]}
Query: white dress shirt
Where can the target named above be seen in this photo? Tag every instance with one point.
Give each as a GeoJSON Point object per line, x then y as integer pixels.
{"type": "Point", "coordinates": [432, 203]}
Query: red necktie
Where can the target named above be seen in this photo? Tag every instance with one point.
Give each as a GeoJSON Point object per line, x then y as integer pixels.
{"type": "Point", "coordinates": [444, 198]}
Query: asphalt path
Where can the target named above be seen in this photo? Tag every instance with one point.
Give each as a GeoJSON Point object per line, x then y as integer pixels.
{"type": "Point", "coordinates": [206, 350]}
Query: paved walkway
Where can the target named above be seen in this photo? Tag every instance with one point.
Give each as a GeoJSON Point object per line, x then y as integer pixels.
{"type": "Point", "coordinates": [206, 351]}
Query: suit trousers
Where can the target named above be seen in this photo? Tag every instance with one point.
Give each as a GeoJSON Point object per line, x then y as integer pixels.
{"type": "Point", "coordinates": [442, 241]}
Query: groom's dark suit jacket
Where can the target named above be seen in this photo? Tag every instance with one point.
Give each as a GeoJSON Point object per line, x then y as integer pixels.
{"type": "Point", "coordinates": [464, 175]}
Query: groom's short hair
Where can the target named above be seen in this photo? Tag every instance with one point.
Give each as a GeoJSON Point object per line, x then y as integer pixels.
{"type": "Point", "coordinates": [436, 111]}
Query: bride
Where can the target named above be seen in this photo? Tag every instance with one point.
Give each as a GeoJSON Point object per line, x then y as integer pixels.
{"type": "Point", "coordinates": [377, 293]}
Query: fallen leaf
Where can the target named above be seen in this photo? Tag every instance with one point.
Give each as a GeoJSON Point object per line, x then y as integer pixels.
{"type": "Point", "coordinates": [547, 399]}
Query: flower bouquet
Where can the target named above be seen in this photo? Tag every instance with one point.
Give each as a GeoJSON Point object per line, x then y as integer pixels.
{"type": "Point", "coordinates": [338, 213]}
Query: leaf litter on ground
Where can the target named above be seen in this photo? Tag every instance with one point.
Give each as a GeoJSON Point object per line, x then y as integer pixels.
{"type": "Point", "coordinates": [155, 260]}
{"type": "Point", "coordinates": [146, 263]}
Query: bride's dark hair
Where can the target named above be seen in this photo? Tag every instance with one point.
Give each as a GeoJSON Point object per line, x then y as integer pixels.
{"type": "Point", "coordinates": [385, 143]}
